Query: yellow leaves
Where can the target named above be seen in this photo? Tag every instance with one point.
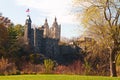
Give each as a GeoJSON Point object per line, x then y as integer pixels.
{"type": "Point", "coordinates": [91, 14]}
{"type": "Point", "coordinates": [49, 64]}
{"type": "Point", "coordinates": [101, 1]}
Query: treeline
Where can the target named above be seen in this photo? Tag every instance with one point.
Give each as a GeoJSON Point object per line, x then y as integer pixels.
{"type": "Point", "coordinates": [16, 58]}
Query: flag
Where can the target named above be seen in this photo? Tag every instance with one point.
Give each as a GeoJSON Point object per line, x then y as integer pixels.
{"type": "Point", "coordinates": [28, 10]}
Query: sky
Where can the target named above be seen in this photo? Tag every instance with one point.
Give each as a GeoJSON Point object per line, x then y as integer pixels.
{"type": "Point", "coordinates": [40, 10]}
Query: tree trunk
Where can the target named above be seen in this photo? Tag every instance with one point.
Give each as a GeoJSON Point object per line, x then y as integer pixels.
{"type": "Point", "coordinates": [113, 72]}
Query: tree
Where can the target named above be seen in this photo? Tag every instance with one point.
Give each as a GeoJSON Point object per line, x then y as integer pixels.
{"type": "Point", "coordinates": [3, 39]}
{"type": "Point", "coordinates": [101, 18]}
{"type": "Point", "coordinates": [15, 43]}
{"type": "Point", "coordinates": [19, 29]}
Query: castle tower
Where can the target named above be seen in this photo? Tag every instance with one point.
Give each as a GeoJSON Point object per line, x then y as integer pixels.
{"type": "Point", "coordinates": [55, 30]}
{"type": "Point", "coordinates": [46, 29]}
{"type": "Point", "coordinates": [55, 24]}
{"type": "Point", "coordinates": [27, 33]}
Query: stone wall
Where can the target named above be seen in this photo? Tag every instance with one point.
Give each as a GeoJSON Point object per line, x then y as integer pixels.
{"type": "Point", "coordinates": [51, 48]}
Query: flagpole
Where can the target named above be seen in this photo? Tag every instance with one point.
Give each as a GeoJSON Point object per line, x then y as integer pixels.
{"type": "Point", "coordinates": [29, 13]}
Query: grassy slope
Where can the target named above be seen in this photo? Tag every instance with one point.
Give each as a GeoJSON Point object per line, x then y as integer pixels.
{"type": "Point", "coordinates": [55, 77]}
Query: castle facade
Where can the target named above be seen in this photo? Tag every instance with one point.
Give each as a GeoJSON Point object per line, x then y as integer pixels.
{"type": "Point", "coordinates": [43, 39]}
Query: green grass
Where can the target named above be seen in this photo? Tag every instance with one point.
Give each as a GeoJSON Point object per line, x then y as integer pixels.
{"type": "Point", "coordinates": [56, 77]}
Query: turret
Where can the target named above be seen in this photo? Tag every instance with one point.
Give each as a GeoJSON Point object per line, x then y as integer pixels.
{"type": "Point", "coordinates": [55, 30]}
{"type": "Point", "coordinates": [28, 21]}
{"type": "Point", "coordinates": [46, 29]}
{"type": "Point", "coordinates": [55, 24]}
{"type": "Point", "coordinates": [27, 33]}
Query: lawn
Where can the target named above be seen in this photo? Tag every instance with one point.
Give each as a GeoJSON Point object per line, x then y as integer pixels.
{"type": "Point", "coordinates": [55, 77]}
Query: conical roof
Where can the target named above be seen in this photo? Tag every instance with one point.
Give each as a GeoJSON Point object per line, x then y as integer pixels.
{"type": "Point", "coordinates": [55, 24]}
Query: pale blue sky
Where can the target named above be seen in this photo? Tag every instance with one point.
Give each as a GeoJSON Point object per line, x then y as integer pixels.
{"type": "Point", "coordinates": [41, 9]}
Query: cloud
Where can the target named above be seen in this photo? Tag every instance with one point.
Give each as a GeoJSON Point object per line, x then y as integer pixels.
{"type": "Point", "coordinates": [52, 8]}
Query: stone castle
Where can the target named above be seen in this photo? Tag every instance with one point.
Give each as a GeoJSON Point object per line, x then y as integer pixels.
{"type": "Point", "coordinates": [43, 39]}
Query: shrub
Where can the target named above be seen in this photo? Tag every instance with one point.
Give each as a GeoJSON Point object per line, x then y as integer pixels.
{"type": "Point", "coordinates": [7, 68]}
{"type": "Point", "coordinates": [75, 68]}
{"type": "Point", "coordinates": [29, 68]}
{"type": "Point", "coordinates": [49, 65]}
{"type": "Point", "coordinates": [60, 69]}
